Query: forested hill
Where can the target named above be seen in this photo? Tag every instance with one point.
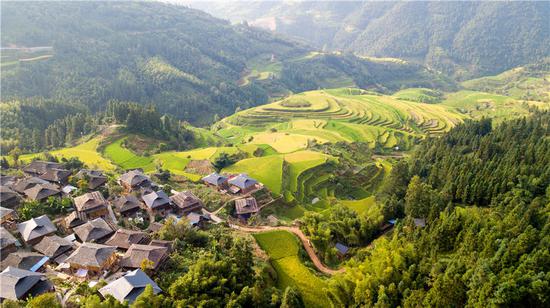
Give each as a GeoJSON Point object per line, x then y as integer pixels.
{"type": "Point", "coordinates": [183, 60]}
{"type": "Point", "coordinates": [466, 38]}
{"type": "Point", "coordinates": [186, 62]}
{"type": "Point", "coordinates": [484, 193]}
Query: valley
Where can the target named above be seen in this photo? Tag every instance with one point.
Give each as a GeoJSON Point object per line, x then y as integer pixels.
{"type": "Point", "coordinates": [352, 154]}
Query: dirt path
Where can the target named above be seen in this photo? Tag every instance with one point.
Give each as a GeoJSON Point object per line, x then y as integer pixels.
{"type": "Point", "coordinates": [305, 242]}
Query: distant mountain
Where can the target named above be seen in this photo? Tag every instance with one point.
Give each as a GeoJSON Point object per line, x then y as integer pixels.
{"type": "Point", "coordinates": [186, 62]}
{"type": "Point", "coordinates": [463, 38]}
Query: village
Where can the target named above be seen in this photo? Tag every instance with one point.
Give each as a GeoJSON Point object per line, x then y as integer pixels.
{"type": "Point", "coordinates": [101, 235]}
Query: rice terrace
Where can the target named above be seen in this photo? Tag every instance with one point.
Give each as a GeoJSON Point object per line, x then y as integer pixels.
{"type": "Point", "coordinates": [284, 154]}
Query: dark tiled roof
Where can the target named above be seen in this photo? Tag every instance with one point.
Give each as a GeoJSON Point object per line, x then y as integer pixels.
{"type": "Point", "coordinates": [27, 183]}
{"type": "Point", "coordinates": [6, 238]}
{"type": "Point", "coordinates": [40, 167]}
{"type": "Point", "coordinates": [129, 286]}
{"type": "Point", "coordinates": [56, 175]}
{"type": "Point", "coordinates": [127, 203]}
{"type": "Point", "coordinates": [53, 246]}
{"type": "Point", "coordinates": [186, 200]}
{"type": "Point", "coordinates": [95, 177]}
{"type": "Point", "coordinates": [90, 254]}
{"type": "Point", "coordinates": [6, 194]}
{"type": "Point", "coordinates": [133, 178]}
{"type": "Point", "coordinates": [22, 259]}
{"type": "Point", "coordinates": [7, 179]}
{"type": "Point", "coordinates": [215, 179]}
{"type": "Point", "coordinates": [246, 206]}
{"type": "Point", "coordinates": [136, 253]}
{"type": "Point", "coordinates": [123, 238]}
{"type": "Point", "coordinates": [42, 191]}
{"type": "Point", "coordinates": [75, 219]}
{"type": "Point", "coordinates": [242, 181]}
{"type": "Point", "coordinates": [15, 283]}
{"type": "Point", "coordinates": [93, 230]}
{"type": "Point", "coordinates": [89, 201]}
{"type": "Point", "coordinates": [36, 227]}
{"type": "Point", "coordinates": [156, 199]}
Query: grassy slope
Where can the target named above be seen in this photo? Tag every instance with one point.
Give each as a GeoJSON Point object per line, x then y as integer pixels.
{"type": "Point", "coordinates": [519, 83]}
{"type": "Point", "coordinates": [282, 247]}
{"type": "Point", "coordinates": [127, 159]}
{"type": "Point", "coordinates": [268, 170]}
{"type": "Point", "coordinates": [86, 152]}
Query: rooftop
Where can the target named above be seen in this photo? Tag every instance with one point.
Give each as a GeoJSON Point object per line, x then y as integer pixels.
{"type": "Point", "coordinates": [215, 179]}
{"type": "Point", "coordinates": [246, 206]}
{"type": "Point", "coordinates": [93, 230]}
{"type": "Point", "coordinates": [129, 286]}
{"type": "Point", "coordinates": [242, 181]}
{"type": "Point", "coordinates": [90, 254]}
{"type": "Point", "coordinates": [123, 238]}
{"type": "Point", "coordinates": [156, 199]}
{"type": "Point", "coordinates": [53, 246]}
{"type": "Point", "coordinates": [89, 201]}
{"type": "Point", "coordinates": [35, 228]}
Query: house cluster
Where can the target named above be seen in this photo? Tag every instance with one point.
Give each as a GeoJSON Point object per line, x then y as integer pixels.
{"type": "Point", "coordinates": [240, 184]}
{"type": "Point", "coordinates": [87, 243]}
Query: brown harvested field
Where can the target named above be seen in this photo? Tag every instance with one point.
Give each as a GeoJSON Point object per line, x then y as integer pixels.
{"type": "Point", "coordinates": [202, 167]}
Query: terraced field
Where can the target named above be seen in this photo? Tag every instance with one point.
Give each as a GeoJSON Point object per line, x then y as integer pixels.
{"type": "Point", "coordinates": [340, 115]}
{"type": "Point", "coordinates": [282, 248]}
{"type": "Point", "coordinates": [476, 105]}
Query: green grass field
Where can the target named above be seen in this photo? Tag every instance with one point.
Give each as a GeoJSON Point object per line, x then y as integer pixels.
{"type": "Point", "coordinates": [86, 152]}
{"type": "Point", "coordinates": [283, 247]}
{"type": "Point", "coordinates": [127, 159]}
{"type": "Point", "coordinates": [268, 170]}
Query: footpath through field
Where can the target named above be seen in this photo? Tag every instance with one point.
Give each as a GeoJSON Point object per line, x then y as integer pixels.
{"type": "Point", "coordinates": [312, 255]}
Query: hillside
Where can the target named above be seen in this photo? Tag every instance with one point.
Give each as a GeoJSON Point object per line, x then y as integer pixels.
{"type": "Point", "coordinates": [186, 62]}
{"type": "Point", "coordinates": [464, 38]}
{"type": "Point", "coordinates": [182, 60]}
{"type": "Point", "coordinates": [529, 82]}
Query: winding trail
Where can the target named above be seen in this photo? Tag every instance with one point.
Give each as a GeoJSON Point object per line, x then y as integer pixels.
{"type": "Point", "coordinates": [305, 242]}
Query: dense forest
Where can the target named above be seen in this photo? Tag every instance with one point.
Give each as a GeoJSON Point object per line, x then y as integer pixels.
{"type": "Point", "coordinates": [484, 193]}
{"type": "Point", "coordinates": [463, 38]}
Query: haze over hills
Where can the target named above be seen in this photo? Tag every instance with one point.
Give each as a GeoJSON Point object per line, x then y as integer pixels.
{"type": "Point", "coordinates": [466, 39]}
